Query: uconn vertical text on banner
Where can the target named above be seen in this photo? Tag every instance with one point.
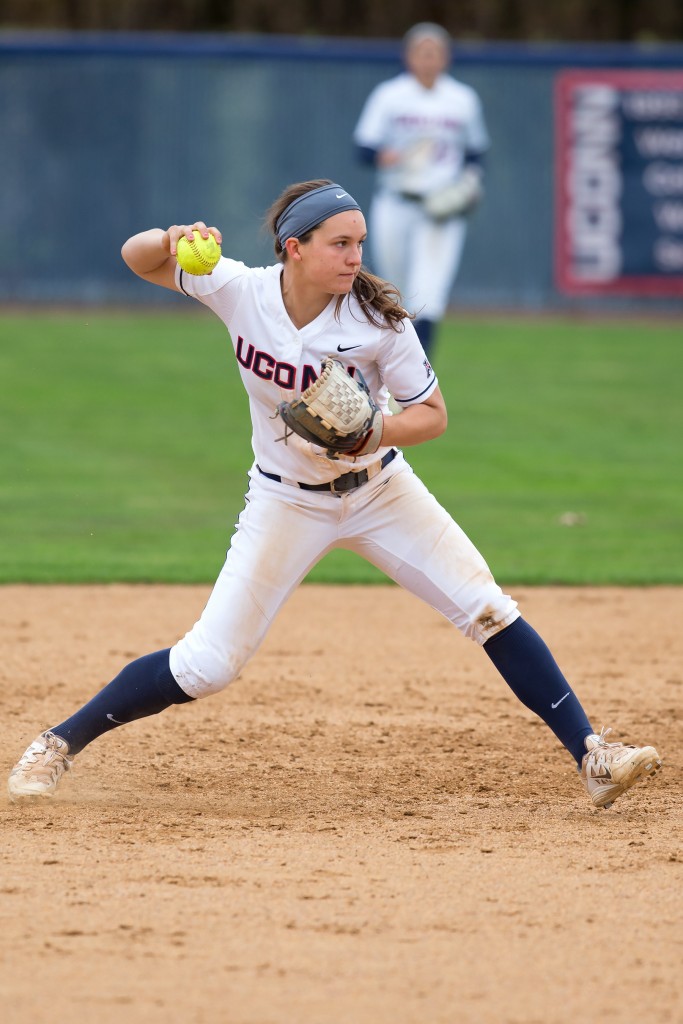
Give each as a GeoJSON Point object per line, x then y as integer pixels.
{"type": "Point", "coordinates": [619, 182]}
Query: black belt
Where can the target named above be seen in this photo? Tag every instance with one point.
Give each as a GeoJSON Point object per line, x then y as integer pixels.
{"type": "Point", "coordinates": [345, 482]}
{"type": "Point", "coordinates": [412, 197]}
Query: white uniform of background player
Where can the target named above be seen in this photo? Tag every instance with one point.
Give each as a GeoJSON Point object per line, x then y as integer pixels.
{"type": "Point", "coordinates": [419, 129]}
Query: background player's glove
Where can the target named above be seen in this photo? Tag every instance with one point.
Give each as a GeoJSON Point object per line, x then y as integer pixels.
{"type": "Point", "coordinates": [456, 199]}
{"type": "Point", "coordinates": [337, 412]}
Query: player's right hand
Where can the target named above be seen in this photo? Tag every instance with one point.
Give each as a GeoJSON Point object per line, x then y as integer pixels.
{"type": "Point", "coordinates": [177, 231]}
{"type": "Point", "coordinates": [388, 157]}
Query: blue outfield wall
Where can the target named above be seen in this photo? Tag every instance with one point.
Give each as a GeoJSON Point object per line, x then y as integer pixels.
{"type": "Point", "coordinates": [104, 135]}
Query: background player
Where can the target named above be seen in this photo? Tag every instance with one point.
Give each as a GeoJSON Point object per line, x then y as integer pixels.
{"type": "Point", "coordinates": [420, 130]}
{"type": "Point", "coordinates": [283, 321]}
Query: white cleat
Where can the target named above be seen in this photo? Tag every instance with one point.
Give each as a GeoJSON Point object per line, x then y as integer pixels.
{"type": "Point", "coordinates": [609, 769]}
{"type": "Point", "coordinates": [40, 768]}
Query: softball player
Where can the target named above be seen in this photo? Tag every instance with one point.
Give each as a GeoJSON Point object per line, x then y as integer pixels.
{"type": "Point", "coordinates": [420, 129]}
{"type": "Point", "coordinates": [283, 320]}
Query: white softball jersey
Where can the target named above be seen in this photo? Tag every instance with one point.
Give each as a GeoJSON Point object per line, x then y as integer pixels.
{"type": "Point", "coordinates": [277, 362]}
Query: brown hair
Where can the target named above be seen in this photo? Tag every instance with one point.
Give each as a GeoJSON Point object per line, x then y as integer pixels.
{"type": "Point", "coordinates": [379, 300]}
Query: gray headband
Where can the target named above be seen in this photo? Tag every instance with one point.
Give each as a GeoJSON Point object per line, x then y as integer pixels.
{"type": "Point", "coordinates": [312, 209]}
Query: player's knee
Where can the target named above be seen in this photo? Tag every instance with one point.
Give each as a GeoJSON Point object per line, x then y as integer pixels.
{"type": "Point", "coordinates": [205, 673]}
{"type": "Point", "coordinates": [492, 619]}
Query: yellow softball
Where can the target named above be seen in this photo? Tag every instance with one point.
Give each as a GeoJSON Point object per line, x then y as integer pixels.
{"type": "Point", "coordinates": [198, 256]}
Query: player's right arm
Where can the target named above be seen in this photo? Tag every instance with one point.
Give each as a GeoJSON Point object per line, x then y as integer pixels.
{"type": "Point", "coordinates": [370, 133]}
{"type": "Point", "coordinates": [152, 254]}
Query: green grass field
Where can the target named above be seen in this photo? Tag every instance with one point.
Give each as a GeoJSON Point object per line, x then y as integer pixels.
{"type": "Point", "coordinates": [126, 443]}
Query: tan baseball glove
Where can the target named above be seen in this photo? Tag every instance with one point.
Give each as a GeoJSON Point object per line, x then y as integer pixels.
{"type": "Point", "coordinates": [456, 199]}
{"type": "Point", "coordinates": [337, 412]}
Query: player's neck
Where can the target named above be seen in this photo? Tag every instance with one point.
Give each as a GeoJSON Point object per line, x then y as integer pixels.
{"type": "Point", "coordinates": [427, 82]}
{"type": "Point", "coordinates": [303, 304]}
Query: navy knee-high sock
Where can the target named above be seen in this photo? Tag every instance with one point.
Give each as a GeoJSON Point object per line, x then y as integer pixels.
{"type": "Point", "coordinates": [144, 687]}
{"type": "Point", "coordinates": [527, 666]}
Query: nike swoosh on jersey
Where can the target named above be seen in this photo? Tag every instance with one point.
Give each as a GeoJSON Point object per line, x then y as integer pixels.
{"type": "Point", "coordinates": [346, 348]}
{"type": "Point", "coordinates": [340, 195]}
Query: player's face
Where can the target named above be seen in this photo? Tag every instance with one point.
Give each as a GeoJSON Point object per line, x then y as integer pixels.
{"type": "Point", "coordinates": [427, 60]}
{"type": "Point", "coordinates": [333, 255]}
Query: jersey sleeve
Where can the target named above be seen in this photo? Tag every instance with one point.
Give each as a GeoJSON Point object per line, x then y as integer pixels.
{"type": "Point", "coordinates": [404, 367]}
{"type": "Point", "coordinates": [220, 290]}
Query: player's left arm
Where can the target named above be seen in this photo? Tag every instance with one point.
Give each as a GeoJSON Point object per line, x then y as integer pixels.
{"type": "Point", "coordinates": [477, 140]}
{"type": "Point", "coordinates": [475, 161]}
{"type": "Point", "coordinates": [471, 175]}
{"type": "Point", "coordinates": [152, 254]}
{"type": "Point", "coordinates": [417, 423]}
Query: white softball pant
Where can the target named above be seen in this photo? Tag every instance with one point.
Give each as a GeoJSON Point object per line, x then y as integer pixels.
{"type": "Point", "coordinates": [417, 254]}
{"type": "Point", "coordinates": [392, 521]}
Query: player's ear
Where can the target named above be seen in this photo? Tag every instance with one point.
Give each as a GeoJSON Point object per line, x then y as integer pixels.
{"type": "Point", "coordinates": [293, 248]}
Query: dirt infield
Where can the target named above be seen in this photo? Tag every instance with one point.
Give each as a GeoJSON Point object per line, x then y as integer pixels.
{"type": "Point", "coordinates": [366, 828]}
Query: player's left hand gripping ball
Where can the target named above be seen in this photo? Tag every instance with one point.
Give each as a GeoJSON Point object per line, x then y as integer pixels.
{"type": "Point", "coordinates": [198, 256]}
